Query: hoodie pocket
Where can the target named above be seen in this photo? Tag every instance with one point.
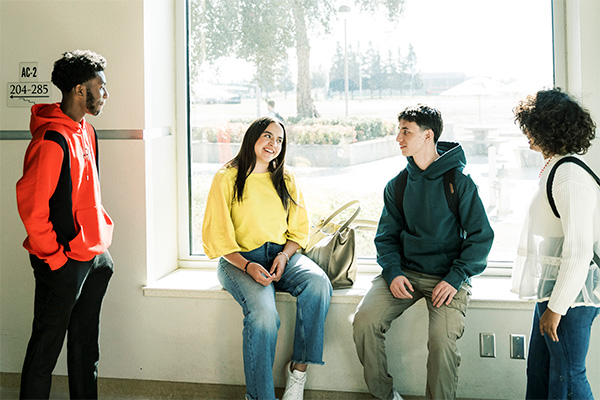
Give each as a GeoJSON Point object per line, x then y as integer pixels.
{"type": "Point", "coordinates": [429, 256]}
{"type": "Point", "coordinates": [95, 231]}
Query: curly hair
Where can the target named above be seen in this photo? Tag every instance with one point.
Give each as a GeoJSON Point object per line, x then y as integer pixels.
{"type": "Point", "coordinates": [424, 116]}
{"type": "Point", "coordinates": [557, 124]}
{"type": "Point", "coordinates": [76, 67]}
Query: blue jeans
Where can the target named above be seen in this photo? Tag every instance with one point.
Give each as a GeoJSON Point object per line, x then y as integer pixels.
{"type": "Point", "coordinates": [303, 279]}
{"type": "Point", "coordinates": [556, 370]}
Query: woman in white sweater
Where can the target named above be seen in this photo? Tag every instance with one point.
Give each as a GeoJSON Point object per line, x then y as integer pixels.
{"type": "Point", "coordinates": [555, 263]}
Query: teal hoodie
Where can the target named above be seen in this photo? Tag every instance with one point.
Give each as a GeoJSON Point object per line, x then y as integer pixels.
{"type": "Point", "coordinates": [431, 241]}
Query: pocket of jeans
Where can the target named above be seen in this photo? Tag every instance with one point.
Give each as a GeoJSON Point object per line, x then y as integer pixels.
{"type": "Point", "coordinates": [457, 311]}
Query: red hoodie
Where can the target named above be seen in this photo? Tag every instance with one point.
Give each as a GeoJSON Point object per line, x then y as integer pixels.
{"type": "Point", "coordinates": [58, 196]}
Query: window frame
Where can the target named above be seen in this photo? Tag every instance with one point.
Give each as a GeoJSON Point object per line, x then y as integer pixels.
{"type": "Point", "coordinates": [367, 265]}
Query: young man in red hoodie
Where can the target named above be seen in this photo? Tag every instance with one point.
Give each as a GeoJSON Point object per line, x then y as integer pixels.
{"type": "Point", "coordinates": [68, 230]}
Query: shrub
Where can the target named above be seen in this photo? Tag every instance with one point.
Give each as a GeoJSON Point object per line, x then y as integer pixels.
{"type": "Point", "coordinates": [230, 132]}
{"type": "Point", "coordinates": [303, 131]}
{"type": "Point", "coordinates": [321, 134]}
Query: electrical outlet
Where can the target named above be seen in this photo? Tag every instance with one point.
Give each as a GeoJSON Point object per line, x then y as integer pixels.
{"type": "Point", "coordinates": [517, 347]}
{"type": "Point", "coordinates": [487, 345]}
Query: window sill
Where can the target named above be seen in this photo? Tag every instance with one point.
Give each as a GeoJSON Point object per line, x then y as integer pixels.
{"type": "Point", "coordinates": [489, 292]}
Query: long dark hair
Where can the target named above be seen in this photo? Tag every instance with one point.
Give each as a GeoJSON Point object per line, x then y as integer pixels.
{"type": "Point", "coordinates": [245, 161]}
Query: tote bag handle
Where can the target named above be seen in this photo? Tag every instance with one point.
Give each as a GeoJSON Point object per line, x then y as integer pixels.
{"type": "Point", "coordinates": [339, 210]}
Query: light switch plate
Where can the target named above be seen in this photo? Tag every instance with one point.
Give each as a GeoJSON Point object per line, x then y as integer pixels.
{"type": "Point", "coordinates": [487, 344]}
{"type": "Point", "coordinates": [517, 347]}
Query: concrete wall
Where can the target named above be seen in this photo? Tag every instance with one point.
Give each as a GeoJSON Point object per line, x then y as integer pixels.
{"type": "Point", "coordinates": [199, 340]}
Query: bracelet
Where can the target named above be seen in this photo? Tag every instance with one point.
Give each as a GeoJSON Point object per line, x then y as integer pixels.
{"type": "Point", "coordinates": [286, 256]}
{"type": "Point", "coordinates": [246, 267]}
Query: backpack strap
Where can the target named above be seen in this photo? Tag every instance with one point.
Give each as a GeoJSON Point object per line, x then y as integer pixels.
{"type": "Point", "coordinates": [553, 172]}
{"type": "Point", "coordinates": [449, 191]}
{"type": "Point", "coordinates": [399, 191]}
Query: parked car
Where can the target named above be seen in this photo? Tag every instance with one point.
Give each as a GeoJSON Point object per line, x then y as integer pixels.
{"type": "Point", "coordinates": [213, 94]}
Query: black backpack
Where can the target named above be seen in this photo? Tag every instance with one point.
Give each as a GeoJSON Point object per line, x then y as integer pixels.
{"type": "Point", "coordinates": [449, 192]}
{"type": "Point", "coordinates": [583, 165]}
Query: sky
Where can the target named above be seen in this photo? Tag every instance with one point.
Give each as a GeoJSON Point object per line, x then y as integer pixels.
{"type": "Point", "coordinates": [478, 37]}
{"type": "Point", "coordinates": [502, 39]}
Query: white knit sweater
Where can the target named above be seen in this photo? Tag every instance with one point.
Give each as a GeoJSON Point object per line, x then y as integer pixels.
{"type": "Point", "coordinates": [554, 254]}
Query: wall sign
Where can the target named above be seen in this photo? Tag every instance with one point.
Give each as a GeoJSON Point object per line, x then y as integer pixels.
{"type": "Point", "coordinates": [28, 72]}
{"type": "Point", "coordinates": [28, 90]}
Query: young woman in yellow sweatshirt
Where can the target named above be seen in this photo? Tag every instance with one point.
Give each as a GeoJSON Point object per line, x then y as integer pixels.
{"type": "Point", "coordinates": [255, 220]}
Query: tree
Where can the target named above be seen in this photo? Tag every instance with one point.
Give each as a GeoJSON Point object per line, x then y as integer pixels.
{"type": "Point", "coordinates": [336, 73]}
{"type": "Point", "coordinates": [375, 76]}
{"type": "Point", "coordinates": [319, 13]}
{"type": "Point", "coordinates": [318, 79]}
{"type": "Point", "coordinates": [197, 36]}
{"type": "Point", "coordinates": [260, 31]}
{"type": "Point", "coordinates": [409, 64]}
{"type": "Point", "coordinates": [237, 27]}
{"type": "Point", "coordinates": [391, 73]}
{"type": "Point", "coordinates": [284, 82]}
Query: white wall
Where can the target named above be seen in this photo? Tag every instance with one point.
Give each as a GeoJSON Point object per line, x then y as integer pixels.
{"type": "Point", "coordinates": [199, 340]}
{"type": "Point", "coordinates": [40, 31]}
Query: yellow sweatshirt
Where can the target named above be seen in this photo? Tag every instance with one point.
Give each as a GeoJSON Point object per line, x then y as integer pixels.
{"type": "Point", "coordinates": [230, 226]}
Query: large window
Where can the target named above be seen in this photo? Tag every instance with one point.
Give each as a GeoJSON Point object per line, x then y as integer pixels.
{"type": "Point", "coordinates": [339, 73]}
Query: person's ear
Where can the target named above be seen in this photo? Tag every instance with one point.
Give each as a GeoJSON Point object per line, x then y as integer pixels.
{"type": "Point", "coordinates": [79, 90]}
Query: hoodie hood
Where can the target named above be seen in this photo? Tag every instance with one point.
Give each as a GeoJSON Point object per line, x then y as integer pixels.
{"type": "Point", "coordinates": [46, 117]}
{"type": "Point", "coordinates": [451, 156]}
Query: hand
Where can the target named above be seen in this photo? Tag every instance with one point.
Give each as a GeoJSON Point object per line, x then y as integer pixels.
{"type": "Point", "coordinates": [443, 293]}
{"type": "Point", "coordinates": [549, 324]}
{"type": "Point", "coordinates": [278, 267]}
{"type": "Point", "coordinates": [259, 274]}
{"type": "Point", "coordinates": [399, 287]}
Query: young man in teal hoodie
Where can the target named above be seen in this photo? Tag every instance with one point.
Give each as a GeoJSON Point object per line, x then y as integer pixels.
{"type": "Point", "coordinates": [426, 250]}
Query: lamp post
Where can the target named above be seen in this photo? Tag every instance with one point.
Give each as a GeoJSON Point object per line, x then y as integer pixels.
{"type": "Point", "coordinates": [360, 94]}
{"type": "Point", "coordinates": [344, 10]}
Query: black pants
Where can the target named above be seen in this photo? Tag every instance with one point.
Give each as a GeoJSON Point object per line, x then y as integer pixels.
{"type": "Point", "coordinates": [68, 299]}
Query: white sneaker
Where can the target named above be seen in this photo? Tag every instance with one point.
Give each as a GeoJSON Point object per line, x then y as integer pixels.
{"type": "Point", "coordinates": [294, 385]}
{"type": "Point", "coordinates": [397, 396]}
